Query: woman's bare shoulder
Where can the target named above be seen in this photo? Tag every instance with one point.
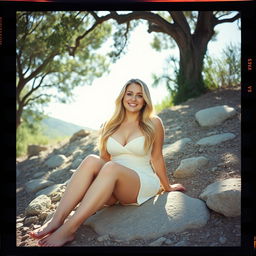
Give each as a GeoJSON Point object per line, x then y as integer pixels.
{"type": "Point", "coordinates": [157, 121]}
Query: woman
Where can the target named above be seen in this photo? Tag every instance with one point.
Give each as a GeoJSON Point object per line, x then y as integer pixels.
{"type": "Point", "coordinates": [129, 170]}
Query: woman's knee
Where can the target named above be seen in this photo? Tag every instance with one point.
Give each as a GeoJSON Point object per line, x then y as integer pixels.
{"type": "Point", "coordinates": [109, 168]}
{"type": "Point", "coordinates": [91, 162]}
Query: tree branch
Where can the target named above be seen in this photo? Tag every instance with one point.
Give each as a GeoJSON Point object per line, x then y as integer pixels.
{"type": "Point", "coordinates": [181, 21]}
{"type": "Point", "coordinates": [41, 67]}
{"type": "Point", "coordinates": [24, 99]}
{"type": "Point", "coordinates": [19, 68]}
{"type": "Point", "coordinates": [99, 20]}
{"type": "Point", "coordinates": [30, 59]}
{"type": "Point", "coordinates": [217, 21]}
{"type": "Point", "coordinates": [204, 21]}
{"type": "Point", "coordinates": [35, 98]}
{"type": "Point", "coordinates": [155, 20]}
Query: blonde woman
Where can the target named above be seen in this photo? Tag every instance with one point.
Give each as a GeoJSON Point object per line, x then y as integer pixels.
{"type": "Point", "coordinates": [129, 170]}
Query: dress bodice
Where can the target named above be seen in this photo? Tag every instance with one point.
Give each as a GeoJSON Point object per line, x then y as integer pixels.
{"type": "Point", "coordinates": [133, 153]}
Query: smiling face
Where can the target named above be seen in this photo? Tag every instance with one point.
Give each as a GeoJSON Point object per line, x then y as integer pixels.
{"type": "Point", "coordinates": [133, 100]}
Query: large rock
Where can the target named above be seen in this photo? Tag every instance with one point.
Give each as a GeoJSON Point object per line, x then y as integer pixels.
{"type": "Point", "coordinates": [56, 161]}
{"type": "Point", "coordinates": [38, 205]}
{"type": "Point", "coordinates": [224, 197]}
{"type": "Point", "coordinates": [78, 135]}
{"type": "Point", "coordinates": [50, 190]}
{"type": "Point", "coordinates": [216, 139]}
{"type": "Point", "coordinates": [169, 212]}
{"type": "Point", "coordinates": [37, 184]}
{"type": "Point", "coordinates": [33, 150]}
{"type": "Point", "coordinates": [176, 147]}
{"type": "Point", "coordinates": [214, 116]}
{"type": "Point", "coordinates": [188, 167]}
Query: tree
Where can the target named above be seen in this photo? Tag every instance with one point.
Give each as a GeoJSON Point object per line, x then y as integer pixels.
{"type": "Point", "coordinates": [223, 71]}
{"type": "Point", "coordinates": [191, 31]}
{"type": "Point", "coordinates": [56, 51]}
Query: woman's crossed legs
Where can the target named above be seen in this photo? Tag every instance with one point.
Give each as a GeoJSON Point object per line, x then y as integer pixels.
{"type": "Point", "coordinates": [95, 183]}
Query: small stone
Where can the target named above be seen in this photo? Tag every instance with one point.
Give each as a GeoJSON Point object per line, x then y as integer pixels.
{"type": "Point", "coordinates": [20, 220]}
{"type": "Point", "coordinates": [181, 243]}
{"type": "Point", "coordinates": [214, 169]}
{"type": "Point", "coordinates": [200, 150]}
{"type": "Point", "coordinates": [102, 238]}
{"type": "Point", "coordinates": [158, 242]}
{"type": "Point", "coordinates": [168, 242]}
{"type": "Point", "coordinates": [30, 220]}
{"type": "Point", "coordinates": [24, 237]}
{"type": "Point", "coordinates": [22, 244]}
{"type": "Point", "coordinates": [222, 240]}
{"type": "Point", "coordinates": [25, 229]}
{"type": "Point", "coordinates": [56, 197]}
{"type": "Point", "coordinates": [19, 225]}
{"type": "Point", "coordinates": [42, 216]}
{"type": "Point", "coordinates": [107, 242]}
{"type": "Point", "coordinates": [38, 175]}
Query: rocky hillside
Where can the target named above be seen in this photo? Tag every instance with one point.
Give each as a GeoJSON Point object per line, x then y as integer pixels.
{"type": "Point", "coordinates": [201, 150]}
{"type": "Point", "coordinates": [53, 127]}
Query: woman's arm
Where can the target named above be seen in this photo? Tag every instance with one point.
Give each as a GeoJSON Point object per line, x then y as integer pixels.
{"type": "Point", "coordinates": [105, 155]}
{"type": "Point", "coordinates": [157, 158]}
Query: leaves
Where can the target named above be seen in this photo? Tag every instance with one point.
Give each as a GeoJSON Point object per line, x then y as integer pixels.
{"type": "Point", "coordinates": [44, 43]}
{"type": "Point", "coordinates": [223, 71]}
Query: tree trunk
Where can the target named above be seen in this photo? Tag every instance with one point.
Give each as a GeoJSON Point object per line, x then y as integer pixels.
{"type": "Point", "coordinates": [190, 80]}
{"type": "Point", "coordinates": [18, 116]}
{"type": "Point", "coordinates": [192, 51]}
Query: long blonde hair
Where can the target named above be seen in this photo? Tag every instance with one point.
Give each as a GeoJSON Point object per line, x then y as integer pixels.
{"type": "Point", "coordinates": [145, 118]}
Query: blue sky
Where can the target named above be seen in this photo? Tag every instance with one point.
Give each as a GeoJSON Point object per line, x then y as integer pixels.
{"type": "Point", "coordinates": [93, 104]}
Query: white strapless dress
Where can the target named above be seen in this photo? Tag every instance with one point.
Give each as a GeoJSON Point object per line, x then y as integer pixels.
{"type": "Point", "coordinates": [133, 156]}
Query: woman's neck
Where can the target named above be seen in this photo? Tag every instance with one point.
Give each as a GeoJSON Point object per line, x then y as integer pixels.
{"type": "Point", "coordinates": [131, 117]}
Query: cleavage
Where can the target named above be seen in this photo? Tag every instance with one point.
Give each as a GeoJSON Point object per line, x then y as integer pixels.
{"type": "Point", "coordinates": [128, 140]}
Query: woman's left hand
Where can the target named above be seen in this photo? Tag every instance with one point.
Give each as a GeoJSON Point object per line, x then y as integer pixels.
{"type": "Point", "coordinates": [175, 187]}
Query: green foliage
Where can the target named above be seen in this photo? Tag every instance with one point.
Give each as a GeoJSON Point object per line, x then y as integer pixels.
{"type": "Point", "coordinates": [166, 103]}
{"type": "Point", "coordinates": [47, 66]}
{"type": "Point", "coordinates": [121, 38]}
{"type": "Point", "coordinates": [223, 71]}
{"type": "Point", "coordinates": [28, 135]}
{"type": "Point", "coordinates": [33, 133]}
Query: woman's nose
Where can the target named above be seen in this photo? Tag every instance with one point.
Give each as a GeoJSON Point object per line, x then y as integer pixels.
{"type": "Point", "coordinates": [134, 97]}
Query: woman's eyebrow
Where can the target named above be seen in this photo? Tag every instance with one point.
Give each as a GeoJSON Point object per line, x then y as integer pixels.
{"type": "Point", "coordinates": [136, 93]}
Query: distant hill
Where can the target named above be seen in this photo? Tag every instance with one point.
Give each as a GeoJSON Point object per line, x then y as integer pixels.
{"type": "Point", "coordinates": [54, 128]}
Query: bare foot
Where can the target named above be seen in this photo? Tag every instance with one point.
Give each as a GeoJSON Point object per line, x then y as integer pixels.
{"type": "Point", "coordinates": [58, 238]}
{"type": "Point", "coordinates": [49, 227]}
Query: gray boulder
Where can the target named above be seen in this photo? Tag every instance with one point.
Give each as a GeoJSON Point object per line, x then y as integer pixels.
{"type": "Point", "coordinates": [50, 190]}
{"type": "Point", "coordinates": [224, 197]}
{"type": "Point", "coordinates": [78, 135]}
{"type": "Point", "coordinates": [33, 150]}
{"type": "Point", "coordinates": [38, 205]}
{"type": "Point", "coordinates": [188, 167]}
{"type": "Point", "coordinates": [37, 184]}
{"type": "Point", "coordinates": [214, 116]}
{"type": "Point", "coordinates": [171, 149]}
{"type": "Point", "coordinates": [215, 139]}
{"type": "Point", "coordinates": [56, 161]}
{"type": "Point", "coordinates": [169, 212]}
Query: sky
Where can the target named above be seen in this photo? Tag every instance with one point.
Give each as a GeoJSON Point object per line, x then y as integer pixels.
{"type": "Point", "coordinates": [94, 104]}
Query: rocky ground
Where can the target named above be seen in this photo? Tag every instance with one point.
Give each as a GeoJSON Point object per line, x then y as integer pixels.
{"type": "Point", "coordinates": [179, 122]}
